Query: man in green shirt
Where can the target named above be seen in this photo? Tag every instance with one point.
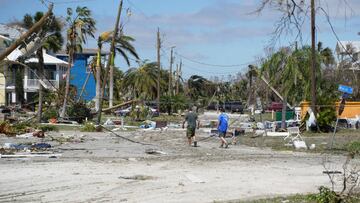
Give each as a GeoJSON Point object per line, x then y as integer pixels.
{"type": "Point", "coordinates": [191, 118]}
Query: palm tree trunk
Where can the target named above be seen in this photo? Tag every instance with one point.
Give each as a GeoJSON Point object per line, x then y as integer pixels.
{"type": "Point", "coordinates": [111, 85]}
{"type": "Point", "coordinates": [40, 56]}
{"type": "Point", "coordinates": [283, 113]}
{"type": "Point", "coordinates": [98, 79]}
{"type": "Point", "coordinates": [84, 85]}
{"type": "Point", "coordinates": [98, 87]}
{"type": "Point", "coordinates": [67, 85]}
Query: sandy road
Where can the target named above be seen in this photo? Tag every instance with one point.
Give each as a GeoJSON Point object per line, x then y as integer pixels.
{"type": "Point", "coordinates": [104, 168]}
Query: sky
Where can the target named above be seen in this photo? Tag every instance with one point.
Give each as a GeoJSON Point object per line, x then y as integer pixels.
{"type": "Point", "coordinates": [226, 34]}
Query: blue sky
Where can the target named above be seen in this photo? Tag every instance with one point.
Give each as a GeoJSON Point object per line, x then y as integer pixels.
{"type": "Point", "coordinates": [210, 31]}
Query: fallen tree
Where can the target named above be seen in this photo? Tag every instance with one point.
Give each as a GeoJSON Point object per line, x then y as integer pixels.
{"type": "Point", "coordinates": [120, 105]}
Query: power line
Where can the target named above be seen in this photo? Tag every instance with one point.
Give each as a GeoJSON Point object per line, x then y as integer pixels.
{"type": "Point", "coordinates": [137, 8]}
{"type": "Point", "coordinates": [336, 35]}
{"type": "Point", "coordinates": [213, 65]}
{"type": "Point", "coordinates": [69, 1]}
{"type": "Point", "coordinates": [207, 71]}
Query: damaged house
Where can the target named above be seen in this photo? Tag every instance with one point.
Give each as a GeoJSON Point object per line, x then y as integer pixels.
{"type": "Point", "coordinates": [13, 74]}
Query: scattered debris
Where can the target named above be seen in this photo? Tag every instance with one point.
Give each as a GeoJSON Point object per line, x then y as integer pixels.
{"type": "Point", "coordinates": [39, 146]}
{"type": "Point", "coordinates": [154, 152]}
{"type": "Point", "coordinates": [149, 125]}
{"type": "Point", "coordinates": [39, 134]}
{"type": "Point", "coordinates": [25, 135]}
{"type": "Point", "coordinates": [298, 144]}
{"type": "Point", "coordinates": [109, 122]}
{"type": "Point", "coordinates": [117, 122]}
{"type": "Point", "coordinates": [7, 151]}
{"type": "Point", "coordinates": [259, 133]}
{"type": "Point", "coordinates": [332, 172]}
{"type": "Point", "coordinates": [32, 147]}
{"type": "Point", "coordinates": [137, 177]}
{"type": "Point", "coordinates": [277, 134]}
{"type": "Point", "coordinates": [29, 155]}
{"type": "Point", "coordinates": [161, 124]}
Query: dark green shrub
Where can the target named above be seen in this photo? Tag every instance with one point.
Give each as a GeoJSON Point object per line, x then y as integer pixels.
{"type": "Point", "coordinates": [50, 113]}
{"type": "Point", "coordinates": [47, 128]}
{"type": "Point", "coordinates": [23, 127]}
{"type": "Point", "coordinates": [326, 117]}
{"type": "Point", "coordinates": [353, 148]}
{"type": "Point", "coordinates": [79, 112]}
{"type": "Point", "coordinates": [325, 195]}
{"type": "Point", "coordinates": [171, 104]}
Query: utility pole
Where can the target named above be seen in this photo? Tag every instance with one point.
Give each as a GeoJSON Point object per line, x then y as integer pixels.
{"type": "Point", "coordinates": [178, 77]}
{"type": "Point", "coordinates": [110, 61]}
{"type": "Point", "coordinates": [170, 73]}
{"type": "Point", "coordinates": [313, 59]}
{"type": "Point", "coordinates": [159, 69]}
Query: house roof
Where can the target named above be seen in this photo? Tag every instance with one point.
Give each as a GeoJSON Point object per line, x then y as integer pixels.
{"type": "Point", "coordinates": [48, 59]}
{"type": "Point", "coordinates": [89, 52]}
{"type": "Point", "coordinates": [341, 46]}
{"type": "Point", "coordinates": [12, 32]}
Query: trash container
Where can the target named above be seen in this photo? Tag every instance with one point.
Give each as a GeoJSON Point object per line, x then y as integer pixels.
{"type": "Point", "coordinates": [289, 115]}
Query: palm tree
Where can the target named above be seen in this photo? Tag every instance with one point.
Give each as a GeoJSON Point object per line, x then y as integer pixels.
{"type": "Point", "coordinates": [142, 81]}
{"type": "Point", "coordinates": [53, 42]}
{"type": "Point", "coordinates": [118, 78]}
{"type": "Point", "coordinates": [282, 68]}
{"type": "Point", "coordinates": [81, 24]}
{"type": "Point", "coordinates": [197, 87]}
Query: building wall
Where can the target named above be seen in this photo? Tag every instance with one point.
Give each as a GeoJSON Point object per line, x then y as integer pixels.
{"type": "Point", "coordinates": [351, 110]}
{"type": "Point", "coordinates": [2, 90]}
{"type": "Point", "coordinates": [78, 76]}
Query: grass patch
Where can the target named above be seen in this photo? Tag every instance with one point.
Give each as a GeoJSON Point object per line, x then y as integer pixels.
{"type": "Point", "coordinates": [264, 117]}
{"type": "Point", "coordinates": [344, 142]}
{"type": "Point", "coordinates": [290, 199]}
{"type": "Point", "coordinates": [48, 128]}
{"type": "Point", "coordinates": [168, 118]}
{"type": "Point", "coordinates": [88, 127]}
{"type": "Point", "coordinates": [298, 198]}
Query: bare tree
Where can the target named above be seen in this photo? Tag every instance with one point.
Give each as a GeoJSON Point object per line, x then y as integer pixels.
{"type": "Point", "coordinates": [293, 14]}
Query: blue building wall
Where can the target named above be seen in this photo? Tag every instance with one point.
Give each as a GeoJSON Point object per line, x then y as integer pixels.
{"type": "Point", "coordinates": [78, 76]}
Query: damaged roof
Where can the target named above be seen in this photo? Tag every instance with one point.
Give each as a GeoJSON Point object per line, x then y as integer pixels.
{"type": "Point", "coordinates": [12, 32]}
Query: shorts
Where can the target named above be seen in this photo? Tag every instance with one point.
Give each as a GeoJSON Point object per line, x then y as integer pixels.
{"type": "Point", "coordinates": [222, 134]}
{"type": "Point", "coordinates": [190, 132]}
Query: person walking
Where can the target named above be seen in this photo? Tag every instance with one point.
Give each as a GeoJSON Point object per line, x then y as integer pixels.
{"type": "Point", "coordinates": [192, 121]}
{"type": "Point", "coordinates": [223, 121]}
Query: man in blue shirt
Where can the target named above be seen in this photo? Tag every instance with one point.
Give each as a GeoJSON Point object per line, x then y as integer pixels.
{"type": "Point", "coordinates": [223, 121]}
